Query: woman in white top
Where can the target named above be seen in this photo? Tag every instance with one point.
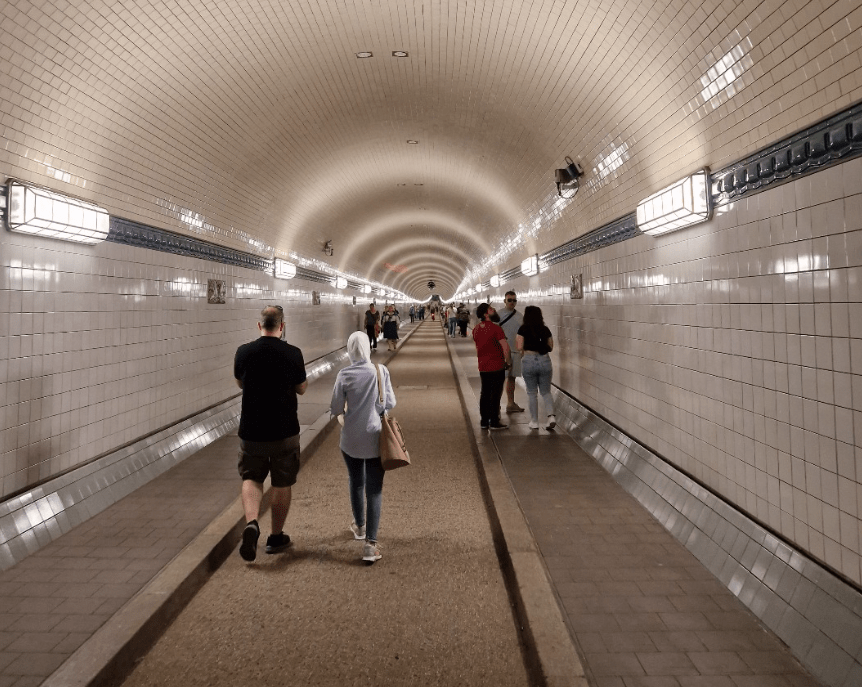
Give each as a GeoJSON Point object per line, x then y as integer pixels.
{"type": "Point", "coordinates": [356, 397]}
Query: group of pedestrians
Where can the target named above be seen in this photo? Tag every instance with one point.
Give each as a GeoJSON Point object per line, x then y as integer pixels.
{"type": "Point", "coordinates": [510, 345]}
{"type": "Point", "coordinates": [271, 374]}
{"type": "Point", "coordinates": [388, 322]}
{"type": "Point", "coordinates": [455, 318]}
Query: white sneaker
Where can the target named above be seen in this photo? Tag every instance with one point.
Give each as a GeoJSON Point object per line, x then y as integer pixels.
{"type": "Point", "coordinates": [534, 424]}
{"type": "Point", "coordinates": [552, 421]}
{"type": "Point", "coordinates": [371, 552]}
{"type": "Point", "coordinates": [358, 532]}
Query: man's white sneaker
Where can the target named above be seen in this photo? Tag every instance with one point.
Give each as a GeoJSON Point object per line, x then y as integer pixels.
{"type": "Point", "coordinates": [552, 421]}
{"type": "Point", "coordinates": [358, 532]}
{"type": "Point", "coordinates": [371, 552]}
{"type": "Point", "coordinates": [534, 424]}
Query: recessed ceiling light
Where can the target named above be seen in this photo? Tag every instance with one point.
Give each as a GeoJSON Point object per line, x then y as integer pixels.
{"type": "Point", "coordinates": [364, 54]}
{"type": "Point", "coordinates": [412, 142]}
{"type": "Point", "coordinates": [399, 53]}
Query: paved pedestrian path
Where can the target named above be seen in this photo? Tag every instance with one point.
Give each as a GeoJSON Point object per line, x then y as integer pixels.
{"type": "Point", "coordinates": [57, 599]}
{"type": "Point", "coordinates": [643, 611]}
{"type": "Point", "coordinates": [434, 610]}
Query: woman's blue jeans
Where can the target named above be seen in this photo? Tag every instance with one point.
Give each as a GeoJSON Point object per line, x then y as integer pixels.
{"type": "Point", "coordinates": [537, 371]}
{"type": "Point", "coordinates": [366, 487]}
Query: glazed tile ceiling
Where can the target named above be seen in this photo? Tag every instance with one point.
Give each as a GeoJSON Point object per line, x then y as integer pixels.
{"type": "Point", "coordinates": [253, 124]}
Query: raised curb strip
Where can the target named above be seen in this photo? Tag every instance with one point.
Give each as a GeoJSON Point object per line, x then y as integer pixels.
{"type": "Point", "coordinates": [552, 656]}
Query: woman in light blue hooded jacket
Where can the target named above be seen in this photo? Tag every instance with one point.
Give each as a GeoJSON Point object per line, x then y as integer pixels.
{"type": "Point", "coordinates": [356, 398]}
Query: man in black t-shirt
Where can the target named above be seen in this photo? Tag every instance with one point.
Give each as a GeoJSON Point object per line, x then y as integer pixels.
{"type": "Point", "coordinates": [270, 373]}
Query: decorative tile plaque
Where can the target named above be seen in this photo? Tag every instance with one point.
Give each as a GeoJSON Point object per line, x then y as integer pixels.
{"type": "Point", "coordinates": [216, 291]}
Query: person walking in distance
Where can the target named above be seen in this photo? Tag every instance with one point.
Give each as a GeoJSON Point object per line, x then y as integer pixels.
{"type": "Point", "coordinates": [463, 316]}
{"type": "Point", "coordinates": [510, 321]}
{"type": "Point", "coordinates": [391, 323]}
{"type": "Point", "coordinates": [495, 358]}
{"type": "Point", "coordinates": [372, 325]}
{"type": "Point", "coordinates": [535, 342]}
{"type": "Point", "coordinates": [356, 403]}
{"type": "Point", "coordinates": [271, 373]}
{"type": "Point", "coordinates": [452, 312]}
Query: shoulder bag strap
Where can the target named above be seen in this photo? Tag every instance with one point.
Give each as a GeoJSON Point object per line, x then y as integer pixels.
{"type": "Point", "coordinates": [379, 384]}
{"type": "Point", "coordinates": [509, 317]}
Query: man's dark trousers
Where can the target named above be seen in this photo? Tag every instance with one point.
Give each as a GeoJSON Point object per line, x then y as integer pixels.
{"type": "Point", "coordinates": [489, 398]}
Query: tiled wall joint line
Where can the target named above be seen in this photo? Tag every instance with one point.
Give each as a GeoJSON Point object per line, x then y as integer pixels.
{"type": "Point", "coordinates": [818, 615]}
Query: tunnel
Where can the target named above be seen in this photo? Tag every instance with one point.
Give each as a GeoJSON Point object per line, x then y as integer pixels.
{"type": "Point", "coordinates": [677, 185]}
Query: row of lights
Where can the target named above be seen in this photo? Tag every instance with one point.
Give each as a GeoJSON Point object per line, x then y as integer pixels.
{"type": "Point", "coordinates": [42, 212]}
{"type": "Point", "coordinates": [365, 54]}
{"type": "Point", "coordinates": [282, 269]}
{"type": "Point", "coordinates": [682, 204]}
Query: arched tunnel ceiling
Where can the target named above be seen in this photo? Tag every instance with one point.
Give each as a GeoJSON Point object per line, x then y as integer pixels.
{"type": "Point", "coordinates": [253, 123]}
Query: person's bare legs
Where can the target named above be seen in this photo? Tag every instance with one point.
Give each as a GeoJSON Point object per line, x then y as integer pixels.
{"type": "Point", "coordinates": [280, 507]}
{"type": "Point", "coordinates": [252, 495]}
{"type": "Point", "coordinates": [510, 390]}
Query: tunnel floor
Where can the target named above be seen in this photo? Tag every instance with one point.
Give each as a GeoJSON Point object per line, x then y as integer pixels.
{"type": "Point", "coordinates": [643, 610]}
{"type": "Point", "coordinates": [435, 610]}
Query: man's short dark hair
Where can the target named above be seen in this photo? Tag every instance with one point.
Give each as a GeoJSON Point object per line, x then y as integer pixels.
{"type": "Point", "coordinates": [482, 310]}
{"type": "Point", "coordinates": [271, 318]}
{"type": "Point", "coordinates": [511, 293]}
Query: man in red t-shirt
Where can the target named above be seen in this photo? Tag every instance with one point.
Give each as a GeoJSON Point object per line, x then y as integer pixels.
{"type": "Point", "coordinates": [495, 358]}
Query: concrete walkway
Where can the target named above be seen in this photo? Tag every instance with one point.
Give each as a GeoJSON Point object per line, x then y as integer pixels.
{"type": "Point", "coordinates": [434, 611]}
{"type": "Point", "coordinates": [73, 598]}
{"type": "Point", "coordinates": [643, 611]}
{"type": "Point", "coordinates": [504, 577]}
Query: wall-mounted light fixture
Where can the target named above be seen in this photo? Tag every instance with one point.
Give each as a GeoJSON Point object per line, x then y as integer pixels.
{"type": "Point", "coordinates": [284, 269]}
{"type": "Point", "coordinates": [366, 288]}
{"type": "Point", "coordinates": [566, 179]}
{"type": "Point", "coordinates": [681, 204]}
{"type": "Point", "coordinates": [495, 281]}
{"type": "Point", "coordinates": [530, 266]}
{"type": "Point", "coordinates": [36, 210]}
{"type": "Point", "coordinates": [340, 283]}
{"type": "Point", "coordinates": [327, 248]}
{"type": "Point", "coordinates": [431, 284]}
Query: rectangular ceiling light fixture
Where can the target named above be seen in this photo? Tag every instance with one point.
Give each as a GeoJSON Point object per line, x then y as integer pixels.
{"type": "Point", "coordinates": [284, 269]}
{"type": "Point", "coordinates": [530, 266]}
{"type": "Point", "coordinates": [35, 210]}
{"type": "Point", "coordinates": [340, 283]}
{"type": "Point", "coordinates": [495, 281]}
{"type": "Point", "coordinates": [679, 205]}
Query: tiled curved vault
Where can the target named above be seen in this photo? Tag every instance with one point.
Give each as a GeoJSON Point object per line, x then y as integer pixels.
{"type": "Point", "coordinates": [254, 124]}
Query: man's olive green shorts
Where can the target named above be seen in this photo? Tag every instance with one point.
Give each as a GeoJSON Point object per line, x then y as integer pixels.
{"type": "Point", "coordinates": [257, 459]}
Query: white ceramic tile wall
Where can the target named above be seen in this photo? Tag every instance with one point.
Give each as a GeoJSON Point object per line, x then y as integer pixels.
{"type": "Point", "coordinates": [251, 121]}
{"type": "Point", "coordinates": [734, 349]}
{"type": "Point", "coordinates": [102, 345]}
